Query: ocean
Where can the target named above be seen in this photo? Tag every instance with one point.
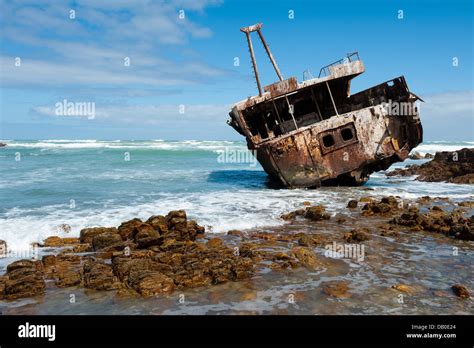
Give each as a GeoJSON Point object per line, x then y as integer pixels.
{"type": "Point", "coordinates": [83, 183]}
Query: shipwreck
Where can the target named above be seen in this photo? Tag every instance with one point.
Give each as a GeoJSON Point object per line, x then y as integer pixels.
{"type": "Point", "coordinates": [315, 132]}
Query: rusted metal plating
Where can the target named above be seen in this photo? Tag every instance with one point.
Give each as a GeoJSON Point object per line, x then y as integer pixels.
{"type": "Point", "coordinates": [315, 132]}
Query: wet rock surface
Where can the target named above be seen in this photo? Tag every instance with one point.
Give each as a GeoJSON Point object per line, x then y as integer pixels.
{"type": "Point", "coordinates": [452, 224]}
{"type": "Point", "coordinates": [313, 213]}
{"type": "Point", "coordinates": [336, 289]}
{"type": "Point", "coordinates": [24, 278]}
{"type": "Point", "coordinates": [167, 255]}
{"type": "Point", "coordinates": [150, 258]}
{"type": "Point", "coordinates": [357, 236]}
{"type": "Point", "coordinates": [87, 234]}
{"type": "Point", "coordinates": [460, 291]}
{"type": "Point", "coordinates": [105, 240]}
{"type": "Point", "coordinates": [306, 257]}
{"type": "Point", "coordinates": [386, 206]}
{"type": "Point", "coordinates": [454, 167]}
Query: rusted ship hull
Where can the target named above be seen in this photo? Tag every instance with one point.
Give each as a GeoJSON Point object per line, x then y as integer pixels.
{"type": "Point", "coordinates": [301, 159]}
{"type": "Point", "coordinates": [316, 133]}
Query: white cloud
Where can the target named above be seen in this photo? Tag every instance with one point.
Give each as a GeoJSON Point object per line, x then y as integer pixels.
{"type": "Point", "coordinates": [448, 116]}
{"type": "Point", "coordinates": [39, 72]}
{"type": "Point", "coordinates": [449, 104]}
{"type": "Point", "coordinates": [91, 48]}
{"type": "Point", "coordinates": [152, 114]}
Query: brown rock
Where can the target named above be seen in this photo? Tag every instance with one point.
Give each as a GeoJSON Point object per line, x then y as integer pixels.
{"type": "Point", "coordinates": [178, 261]}
{"type": "Point", "coordinates": [281, 256]}
{"type": "Point", "coordinates": [122, 266]}
{"type": "Point", "coordinates": [197, 279]}
{"type": "Point", "coordinates": [356, 236]}
{"type": "Point", "coordinates": [195, 230]}
{"type": "Point", "coordinates": [467, 204]}
{"type": "Point", "coordinates": [242, 268]}
{"type": "Point", "coordinates": [178, 227]}
{"type": "Point", "coordinates": [158, 222]}
{"type": "Point", "coordinates": [336, 289]}
{"type": "Point", "coordinates": [316, 213]}
{"type": "Point", "coordinates": [150, 283]}
{"type": "Point", "coordinates": [3, 280]}
{"type": "Point", "coordinates": [249, 250]}
{"type": "Point", "coordinates": [68, 278]}
{"type": "Point", "coordinates": [390, 200]}
{"type": "Point", "coordinates": [177, 220]}
{"type": "Point", "coordinates": [404, 288]}
{"type": "Point", "coordinates": [149, 242]}
{"type": "Point", "coordinates": [37, 265]}
{"type": "Point", "coordinates": [375, 209]}
{"type": "Point", "coordinates": [366, 199]}
{"type": "Point", "coordinates": [145, 230]}
{"type": "Point", "coordinates": [82, 248]}
{"type": "Point", "coordinates": [220, 272]}
{"type": "Point", "coordinates": [463, 231]}
{"type": "Point", "coordinates": [455, 167]}
{"type": "Point", "coordinates": [292, 215]}
{"type": "Point", "coordinates": [99, 276]}
{"type": "Point", "coordinates": [306, 257]}
{"type": "Point", "coordinates": [24, 278]}
{"type": "Point", "coordinates": [56, 241]}
{"type": "Point", "coordinates": [215, 243]}
{"type": "Point", "coordinates": [235, 233]}
{"type": "Point", "coordinates": [105, 240]}
{"type": "Point", "coordinates": [127, 229]}
{"type": "Point", "coordinates": [60, 267]}
{"type": "Point", "coordinates": [49, 260]}
{"type": "Point", "coordinates": [88, 234]}
{"type": "Point", "coordinates": [147, 236]}
{"type": "Point", "coordinates": [451, 224]}
{"type": "Point", "coordinates": [53, 242]}
{"type": "Point", "coordinates": [460, 291]}
{"type": "Point", "coordinates": [352, 204]}
{"type": "Point", "coordinates": [305, 240]}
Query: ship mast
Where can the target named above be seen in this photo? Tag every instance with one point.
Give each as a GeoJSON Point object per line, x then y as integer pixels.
{"type": "Point", "coordinates": [257, 27]}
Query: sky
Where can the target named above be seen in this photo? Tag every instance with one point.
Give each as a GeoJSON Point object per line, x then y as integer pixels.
{"type": "Point", "coordinates": [172, 69]}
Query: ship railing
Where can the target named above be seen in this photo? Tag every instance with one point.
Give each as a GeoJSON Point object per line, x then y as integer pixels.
{"type": "Point", "coordinates": [350, 57]}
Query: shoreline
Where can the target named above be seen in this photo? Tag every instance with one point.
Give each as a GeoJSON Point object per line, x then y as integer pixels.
{"type": "Point", "coordinates": [278, 270]}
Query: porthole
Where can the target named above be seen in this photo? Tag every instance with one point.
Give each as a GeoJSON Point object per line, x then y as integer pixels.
{"type": "Point", "coordinates": [328, 140]}
{"type": "Point", "coordinates": [347, 134]}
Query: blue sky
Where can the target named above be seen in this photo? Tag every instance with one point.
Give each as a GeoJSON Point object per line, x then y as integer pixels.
{"type": "Point", "coordinates": [187, 64]}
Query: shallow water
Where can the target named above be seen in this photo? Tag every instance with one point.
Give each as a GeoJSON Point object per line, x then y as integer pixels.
{"type": "Point", "coordinates": [423, 261]}
{"type": "Point", "coordinates": [163, 176]}
{"type": "Point", "coordinates": [89, 183]}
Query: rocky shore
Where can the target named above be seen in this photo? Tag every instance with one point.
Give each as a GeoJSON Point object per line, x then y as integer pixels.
{"type": "Point", "coordinates": [454, 167]}
{"type": "Point", "coordinates": [165, 254]}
